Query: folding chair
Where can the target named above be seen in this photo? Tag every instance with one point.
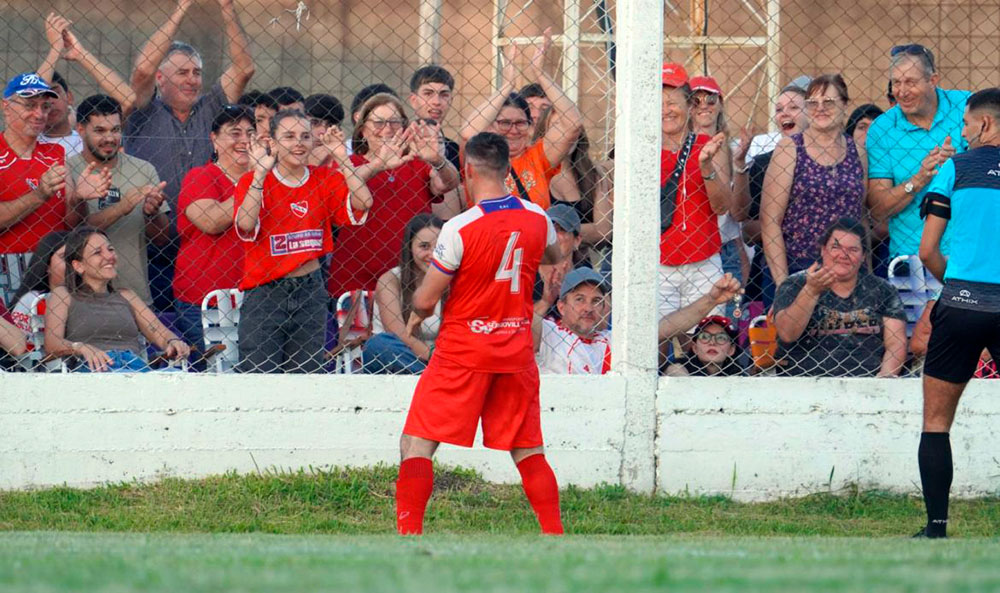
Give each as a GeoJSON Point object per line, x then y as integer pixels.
{"type": "Point", "coordinates": [220, 320]}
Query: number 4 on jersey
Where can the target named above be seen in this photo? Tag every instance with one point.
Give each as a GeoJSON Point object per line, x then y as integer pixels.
{"type": "Point", "coordinates": [510, 266]}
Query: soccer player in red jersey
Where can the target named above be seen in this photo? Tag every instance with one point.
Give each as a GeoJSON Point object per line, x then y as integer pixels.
{"type": "Point", "coordinates": [483, 364]}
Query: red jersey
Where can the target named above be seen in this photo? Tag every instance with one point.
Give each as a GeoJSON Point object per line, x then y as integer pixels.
{"type": "Point", "coordinates": [205, 262]}
{"type": "Point", "coordinates": [294, 223]}
{"type": "Point", "coordinates": [365, 253]}
{"type": "Point", "coordinates": [493, 251]}
{"type": "Point", "coordinates": [19, 176]}
{"type": "Point", "coordinates": [694, 234]}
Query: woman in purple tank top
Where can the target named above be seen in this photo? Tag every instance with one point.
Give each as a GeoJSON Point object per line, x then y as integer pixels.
{"type": "Point", "coordinates": [815, 178]}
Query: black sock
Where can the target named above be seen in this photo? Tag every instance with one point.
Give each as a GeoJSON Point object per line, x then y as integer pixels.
{"type": "Point", "coordinates": [934, 456]}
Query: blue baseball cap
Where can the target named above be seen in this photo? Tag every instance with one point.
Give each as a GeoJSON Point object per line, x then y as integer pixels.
{"type": "Point", "coordinates": [27, 84]}
{"type": "Point", "coordinates": [565, 217]}
{"type": "Point", "coordinates": [582, 276]}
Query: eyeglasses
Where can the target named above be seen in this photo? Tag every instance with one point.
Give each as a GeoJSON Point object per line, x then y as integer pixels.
{"type": "Point", "coordinates": [379, 124]}
{"type": "Point", "coordinates": [913, 49]}
{"type": "Point", "coordinates": [826, 103]}
{"type": "Point", "coordinates": [504, 125]}
{"type": "Point", "coordinates": [706, 100]}
{"type": "Point", "coordinates": [718, 339]}
{"type": "Point", "coordinates": [44, 106]}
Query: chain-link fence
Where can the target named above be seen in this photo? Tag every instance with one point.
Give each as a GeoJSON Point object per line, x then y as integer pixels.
{"type": "Point", "coordinates": [271, 178]}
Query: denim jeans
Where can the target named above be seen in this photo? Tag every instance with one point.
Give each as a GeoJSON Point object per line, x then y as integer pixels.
{"type": "Point", "coordinates": [122, 361]}
{"type": "Point", "coordinates": [283, 326]}
{"type": "Point", "coordinates": [386, 354]}
{"type": "Point", "coordinates": [188, 323]}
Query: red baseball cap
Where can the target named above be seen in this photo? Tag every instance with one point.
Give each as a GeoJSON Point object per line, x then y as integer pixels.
{"type": "Point", "coordinates": [674, 74]}
{"type": "Point", "coordinates": [724, 322]}
{"type": "Point", "coordinates": [705, 83]}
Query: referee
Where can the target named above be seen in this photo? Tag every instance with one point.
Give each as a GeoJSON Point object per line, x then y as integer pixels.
{"type": "Point", "coordinates": [965, 195]}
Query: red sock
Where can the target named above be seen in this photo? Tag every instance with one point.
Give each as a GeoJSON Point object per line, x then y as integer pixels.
{"type": "Point", "coordinates": [542, 491]}
{"type": "Point", "coordinates": [413, 490]}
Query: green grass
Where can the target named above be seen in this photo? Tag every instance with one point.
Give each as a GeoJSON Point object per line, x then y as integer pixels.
{"type": "Point", "coordinates": [360, 501]}
{"type": "Point", "coordinates": [59, 562]}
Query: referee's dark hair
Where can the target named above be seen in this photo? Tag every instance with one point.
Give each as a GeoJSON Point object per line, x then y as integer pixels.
{"type": "Point", "coordinates": [487, 150]}
{"type": "Point", "coordinates": [846, 225]}
{"type": "Point", "coordinates": [988, 99]}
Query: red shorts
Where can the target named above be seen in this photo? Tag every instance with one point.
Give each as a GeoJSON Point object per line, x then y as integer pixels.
{"type": "Point", "coordinates": [450, 399]}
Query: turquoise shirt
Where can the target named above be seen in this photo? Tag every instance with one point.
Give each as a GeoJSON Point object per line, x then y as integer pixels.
{"type": "Point", "coordinates": [895, 150]}
{"type": "Point", "coordinates": [972, 182]}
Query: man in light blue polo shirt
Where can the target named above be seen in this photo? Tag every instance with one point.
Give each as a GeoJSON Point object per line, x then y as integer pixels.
{"type": "Point", "coordinates": [907, 144]}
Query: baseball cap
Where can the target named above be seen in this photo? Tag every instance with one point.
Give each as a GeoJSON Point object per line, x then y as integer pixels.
{"type": "Point", "coordinates": [566, 217]}
{"type": "Point", "coordinates": [27, 84]}
{"type": "Point", "coordinates": [724, 322]}
{"type": "Point", "coordinates": [581, 276]}
{"type": "Point", "coordinates": [705, 83]}
{"type": "Point", "coordinates": [800, 82]}
{"type": "Point", "coordinates": [674, 74]}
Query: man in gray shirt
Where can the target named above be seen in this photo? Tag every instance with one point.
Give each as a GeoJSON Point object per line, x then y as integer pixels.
{"type": "Point", "coordinates": [133, 210]}
{"type": "Point", "coordinates": [172, 119]}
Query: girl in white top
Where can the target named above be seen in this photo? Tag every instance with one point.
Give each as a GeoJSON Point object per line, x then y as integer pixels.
{"type": "Point", "coordinates": [392, 349]}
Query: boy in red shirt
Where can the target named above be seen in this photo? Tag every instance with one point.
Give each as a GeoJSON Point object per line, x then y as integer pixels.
{"type": "Point", "coordinates": [483, 363]}
{"type": "Point", "coordinates": [284, 212]}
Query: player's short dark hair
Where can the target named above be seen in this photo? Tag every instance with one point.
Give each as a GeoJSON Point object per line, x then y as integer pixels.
{"type": "Point", "coordinates": [283, 115]}
{"type": "Point", "coordinates": [286, 95]}
{"type": "Point", "coordinates": [846, 225]}
{"type": "Point", "coordinates": [518, 101]}
{"type": "Point", "coordinates": [96, 105]}
{"type": "Point", "coordinates": [432, 73]}
{"type": "Point", "coordinates": [231, 114]}
{"type": "Point", "coordinates": [489, 151]}
{"type": "Point", "coordinates": [986, 99]}
{"type": "Point", "coordinates": [58, 79]}
{"type": "Point", "coordinates": [249, 98]}
{"type": "Point", "coordinates": [325, 107]}
{"type": "Point", "coordinates": [532, 90]}
{"type": "Point", "coordinates": [367, 93]}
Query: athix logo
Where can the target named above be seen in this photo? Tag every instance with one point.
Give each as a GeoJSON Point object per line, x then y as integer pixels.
{"type": "Point", "coordinates": [300, 209]}
{"type": "Point", "coordinates": [965, 296]}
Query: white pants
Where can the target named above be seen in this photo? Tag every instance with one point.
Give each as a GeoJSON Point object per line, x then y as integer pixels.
{"type": "Point", "coordinates": [679, 286]}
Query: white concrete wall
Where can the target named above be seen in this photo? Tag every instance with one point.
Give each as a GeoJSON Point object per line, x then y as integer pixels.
{"type": "Point", "coordinates": [771, 437]}
{"type": "Point", "coordinates": [782, 436]}
{"type": "Point", "coordinates": [85, 430]}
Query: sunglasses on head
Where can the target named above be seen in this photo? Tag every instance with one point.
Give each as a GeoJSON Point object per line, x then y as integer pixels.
{"type": "Point", "coordinates": [913, 49]}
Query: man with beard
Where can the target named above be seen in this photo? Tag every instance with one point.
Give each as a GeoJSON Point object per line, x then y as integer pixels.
{"type": "Point", "coordinates": [133, 211]}
{"type": "Point", "coordinates": [577, 344]}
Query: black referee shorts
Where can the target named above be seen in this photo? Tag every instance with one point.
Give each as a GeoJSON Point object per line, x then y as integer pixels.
{"type": "Point", "coordinates": [958, 337]}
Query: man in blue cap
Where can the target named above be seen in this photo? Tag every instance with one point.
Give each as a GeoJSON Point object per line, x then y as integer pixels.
{"type": "Point", "coordinates": [36, 194]}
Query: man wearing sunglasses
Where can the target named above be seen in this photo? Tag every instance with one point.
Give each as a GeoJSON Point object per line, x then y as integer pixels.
{"type": "Point", "coordinates": [908, 144]}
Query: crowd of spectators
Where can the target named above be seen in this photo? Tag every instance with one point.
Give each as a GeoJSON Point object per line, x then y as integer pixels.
{"type": "Point", "coordinates": [139, 201]}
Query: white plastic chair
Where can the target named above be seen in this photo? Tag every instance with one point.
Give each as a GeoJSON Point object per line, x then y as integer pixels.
{"type": "Point", "coordinates": [915, 288]}
{"type": "Point", "coordinates": [220, 320]}
{"type": "Point", "coordinates": [354, 321]}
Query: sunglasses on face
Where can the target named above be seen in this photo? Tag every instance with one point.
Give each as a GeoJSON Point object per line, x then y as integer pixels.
{"type": "Point", "coordinates": [706, 100]}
